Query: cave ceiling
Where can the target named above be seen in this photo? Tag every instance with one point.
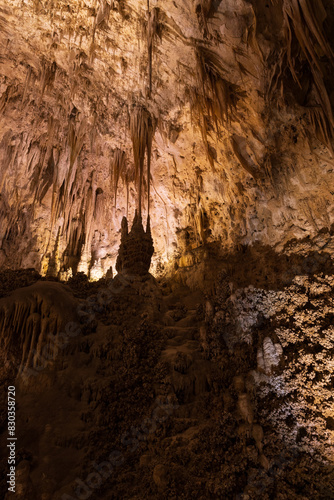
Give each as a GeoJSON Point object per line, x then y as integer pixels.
{"type": "Point", "coordinates": [241, 95]}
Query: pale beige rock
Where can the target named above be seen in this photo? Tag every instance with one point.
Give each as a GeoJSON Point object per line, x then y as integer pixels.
{"type": "Point", "coordinates": [68, 80]}
{"type": "Point", "coordinates": [268, 356]}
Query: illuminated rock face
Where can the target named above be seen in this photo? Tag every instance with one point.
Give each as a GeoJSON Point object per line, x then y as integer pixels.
{"type": "Point", "coordinates": [236, 155]}
{"type": "Point", "coordinates": [294, 361]}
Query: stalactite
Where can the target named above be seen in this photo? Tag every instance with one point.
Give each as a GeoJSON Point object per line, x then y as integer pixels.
{"type": "Point", "coordinates": [152, 30]}
{"type": "Point", "coordinates": [48, 76]}
{"type": "Point", "coordinates": [240, 149]}
{"type": "Point", "coordinates": [149, 153]}
{"type": "Point", "coordinates": [88, 208]}
{"type": "Point", "coordinates": [102, 15]}
{"type": "Point", "coordinates": [26, 84]}
{"type": "Point", "coordinates": [118, 165]}
{"type": "Point", "coordinates": [321, 126]}
{"type": "Point", "coordinates": [127, 176]}
{"type": "Point", "coordinates": [11, 92]}
{"type": "Point", "coordinates": [75, 236]}
{"type": "Point", "coordinates": [76, 138]}
{"type": "Point", "coordinates": [214, 99]}
{"type": "Point", "coordinates": [127, 200]}
{"type": "Point", "coordinates": [54, 261]}
{"type": "Point", "coordinates": [166, 212]}
{"type": "Point", "coordinates": [142, 126]}
{"type": "Point", "coordinates": [251, 36]}
{"type": "Point", "coordinates": [203, 9]}
{"type": "Point", "coordinates": [310, 59]}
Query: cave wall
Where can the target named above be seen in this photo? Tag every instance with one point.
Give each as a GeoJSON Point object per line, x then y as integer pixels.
{"type": "Point", "coordinates": [242, 99]}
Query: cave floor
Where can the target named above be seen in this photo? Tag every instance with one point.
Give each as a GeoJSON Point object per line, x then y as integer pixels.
{"type": "Point", "coordinates": [152, 397]}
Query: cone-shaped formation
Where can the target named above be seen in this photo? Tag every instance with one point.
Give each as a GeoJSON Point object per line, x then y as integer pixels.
{"type": "Point", "coordinates": [136, 249]}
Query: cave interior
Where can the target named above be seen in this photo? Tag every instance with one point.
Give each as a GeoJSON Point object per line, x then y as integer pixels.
{"type": "Point", "coordinates": [166, 249]}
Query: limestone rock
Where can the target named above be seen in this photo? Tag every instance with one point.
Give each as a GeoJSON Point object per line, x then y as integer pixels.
{"type": "Point", "coordinates": [244, 176]}
{"type": "Point", "coordinates": [269, 355]}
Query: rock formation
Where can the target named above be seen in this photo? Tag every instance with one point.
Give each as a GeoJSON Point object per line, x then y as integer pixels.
{"type": "Point", "coordinates": [162, 390]}
{"type": "Point", "coordinates": [136, 249]}
{"type": "Point", "coordinates": [241, 100]}
{"type": "Point", "coordinates": [204, 368]}
{"type": "Point", "coordinates": [35, 324]}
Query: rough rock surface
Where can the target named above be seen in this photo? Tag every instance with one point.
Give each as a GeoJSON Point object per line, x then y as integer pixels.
{"type": "Point", "coordinates": [216, 382]}
{"type": "Point", "coordinates": [293, 331]}
{"type": "Point", "coordinates": [242, 97]}
{"type": "Point", "coordinates": [31, 320]}
{"type": "Point", "coordinates": [136, 249]}
{"type": "Point", "coordinates": [164, 392]}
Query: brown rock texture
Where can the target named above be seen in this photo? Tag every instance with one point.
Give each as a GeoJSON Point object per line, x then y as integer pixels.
{"type": "Point", "coordinates": [164, 392]}
{"type": "Point", "coordinates": [213, 376]}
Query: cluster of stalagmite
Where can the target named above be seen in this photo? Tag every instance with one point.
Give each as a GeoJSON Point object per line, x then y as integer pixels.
{"type": "Point", "coordinates": [136, 249]}
{"type": "Point", "coordinates": [35, 323]}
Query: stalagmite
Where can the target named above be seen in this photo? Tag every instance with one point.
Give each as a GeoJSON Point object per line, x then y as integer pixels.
{"type": "Point", "coordinates": [166, 249]}
{"type": "Point", "coordinates": [136, 249]}
{"type": "Point", "coordinates": [31, 320]}
{"type": "Point", "coordinates": [268, 356]}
